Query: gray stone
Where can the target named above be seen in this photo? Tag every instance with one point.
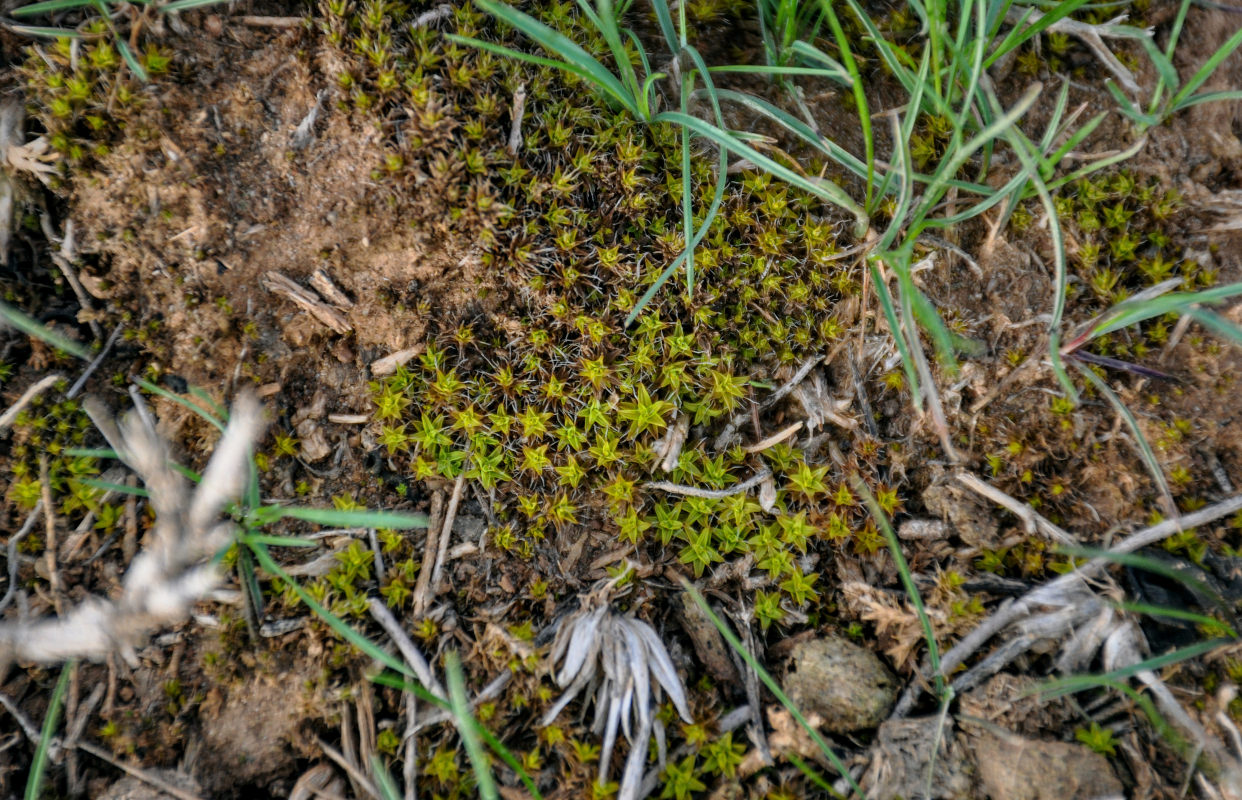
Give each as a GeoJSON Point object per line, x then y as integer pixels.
{"type": "Point", "coordinates": [846, 685]}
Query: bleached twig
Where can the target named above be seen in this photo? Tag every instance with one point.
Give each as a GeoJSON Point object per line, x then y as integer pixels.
{"type": "Point", "coordinates": [175, 570]}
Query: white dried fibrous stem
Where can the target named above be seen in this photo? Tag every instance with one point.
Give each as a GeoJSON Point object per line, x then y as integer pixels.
{"type": "Point", "coordinates": [175, 570]}
{"type": "Point", "coordinates": [620, 661]}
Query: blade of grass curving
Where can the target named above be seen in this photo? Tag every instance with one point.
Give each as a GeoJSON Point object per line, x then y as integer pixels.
{"type": "Point", "coordinates": [34, 782]}
{"type": "Point", "coordinates": [952, 162]}
{"type": "Point", "coordinates": [29, 326]}
{"type": "Point", "coordinates": [1099, 164]}
{"type": "Point", "coordinates": [574, 58]}
{"type": "Point", "coordinates": [611, 87]}
{"type": "Point", "coordinates": [1144, 447]}
{"type": "Point", "coordinates": [1204, 72]}
{"type": "Point", "coordinates": [355, 519]}
{"type": "Point", "coordinates": [1020, 33]}
{"type": "Point", "coordinates": [907, 581]}
{"type": "Point", "coordinates": [468, 726]}
{"type": "Point", "coordinates": [1217, 324]}
{"type": "Point", "coordinates": [51, 33]}
{"type": "Point", "coordinates": [119, 488]}
{"type": "Point", "coordinates": [773, 686]}
{"type": "Point", "coordinates": [147, 385]}
{"type": "Point", "coordinates": [384, 783]}
{"type": "Point", "coordinates": [894, 325]}
{"type": "Point", "coordinates": [488, 737]}
{"type": "Point", "coordinates": [1152, 664]}
{"type": "Point", "coordinates": [1138, 561]}
{"type": "Point", "coordinates": [668, 272]}
{"type": "Point", "coordinates": [186, 5]}
{"type": "Point", "coordinates": [813, 776]}
{"type": "Point", "coordinates": [49, 6]}
{"type": "Point", "coordinates": [252, 592]}
{"type": "Point", "coordinates": [1028, 156]}
{"type": "Point", "coordinates": [1210, 623]}
{"type": "Point", "coordinates": [801, 130]}
{"type": "Point", "coordinates": [1085, 683]}
{"type": "Point", "coordinates": [665, 20]}
{"type": "Point", "coordinates": [368, 648]}
{"type": "Point", "coordinates": [860, 96]}
{"type": "Point", "coordinates": [1125, 314]}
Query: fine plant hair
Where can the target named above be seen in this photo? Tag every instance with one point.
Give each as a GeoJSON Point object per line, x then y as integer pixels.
{"type": "Point", "coordinates": [175, 570]}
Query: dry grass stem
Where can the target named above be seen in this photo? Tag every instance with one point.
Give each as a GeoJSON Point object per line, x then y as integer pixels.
{"type": "Point", "coordinates": [1032, 519]}
{"type": "Point", "coordinates": [174, 571]}
{"type": "Point", "coordinates": [39, 386]}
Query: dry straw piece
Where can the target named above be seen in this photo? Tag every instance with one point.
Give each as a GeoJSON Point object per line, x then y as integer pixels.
{"type": "Point", "coordinates": [623, 663]}
{"type": "Point", "coordinates": [175, 570]}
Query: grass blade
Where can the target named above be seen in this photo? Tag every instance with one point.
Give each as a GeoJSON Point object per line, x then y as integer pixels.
{"type": "Point", "coordinates": [355, 519]}
{"type": "Point", "coordinates": [34, 783]}
{"type": "Point", "coordinates": [31, 327]}
{"type": "Point", "coordinates": [907, 581]}
{"type": "Point", "coordinates": [1144, 447]}
{"type": "Point", "coordinates": [467, 726]}
{"type": "Point", "coordinates": [773, 686]}
{"type": "Point", "coordinates": [49, 6]}
{"type": "Point", "coordinates": [1126, 313]}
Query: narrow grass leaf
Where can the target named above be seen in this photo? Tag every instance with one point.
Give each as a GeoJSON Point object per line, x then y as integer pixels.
{"type": "Point", "coordinates": [51, 33]}
{"type": "Point", "coordinates": [356, 519]}
{"type": "Point", "coordinates": [488, 737]}
{"type": "Point", "coordinates": [1217, 324]}
{"type": "Point", "coordinates": [1204, 72]}
{"type": "Point", "coordinates": [383, 780]}
{"type": "Point", "coordinates": [467, 726]}
{"type": "Point", "coordinates": [907, 581]}
{"type": "Point", "coordinates": [185, 5]}
{"type": "Point", "coordinates": [181, 401]}
{"type": "Point", "coordinates": [49, 6]}
{"type": "Point", "coordinates": [34, 782]}
{"type": "Point", "coordinates": [1078, 683]}
{"type": "Point", "coordinates": [773, 687]}
{"type": "Point", "coordinates": [1126, 313]}
{"type": "Point", "coordinates": [1144, 447]}
{"type": "Point", "coordinates": [29, 326]}
{"type": "Point", "coordinates": [120, 488]}
{"type": "Point", "coordinates": [1209, 623]}
{"type": "Point", "coordinates": [1139, 561]}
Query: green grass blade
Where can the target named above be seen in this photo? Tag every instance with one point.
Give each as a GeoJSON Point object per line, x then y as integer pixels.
{"type": "Point", "coordinates": [277, 541]}
{"type": "Point", "coordinates": [488, 737]}
{"type": "Point", "coordinates": [1125, 314]}
{"type": "Point", "coordinates": [721, 179]}
{"type": "Point", "coordinates": [384, 783]}
{"type": "Point", "coordinates": [1148, 564]}
{"type": "Point", "coordinates": [1178, 613]}
{"type": "Point", "coordinates": [1208, 97]}
{"type": "Point", "coordinates": [50, 33]}
{"type": "Point", "coordinates": [1144, 447]}
{"type": "Point", "coordinates": [610, 87]}
{"type": "Point", "coordinates": [574, 57]}
{"type": "Point", "coordinates": [146, 385]}
{"type": "Point", "coordinates": [773, 686]}
{"type": "Point", "coordinates": [467, 726]}
{"type": "Point", "coordinates": [368, 648]}
{"type": "Point", "coordinates": [907, 582]}
{"type": "Point", "coordinates": [1149, 665]}
{"type": "Point", "coordinates": [185, 5]}
{"type": "Point", "coordinates": [860, 96]}
{"type": "Point", "coordinates": [49, 6]}
{"type": "Point", "coordinates": [29, 326]}
{"type": "Point", "coordinates": [119, 488]}
{"type": "Point", "coordinates": [1204, 72]}
{"type": "Point", "coordinates": [1217, 324]}
{"type": "Point", "coordinates": [821, 188]}
{"type": "Point", "coordinates": [799, 129]}
{"type": "Point", "coordinates": [91, 452]}
{"type": "Point", "coordinates": [903, 350]}
{"type": "Point", "coordinates": [34, 782]}
{"type": "Point", "coordinates": [355, 519]}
